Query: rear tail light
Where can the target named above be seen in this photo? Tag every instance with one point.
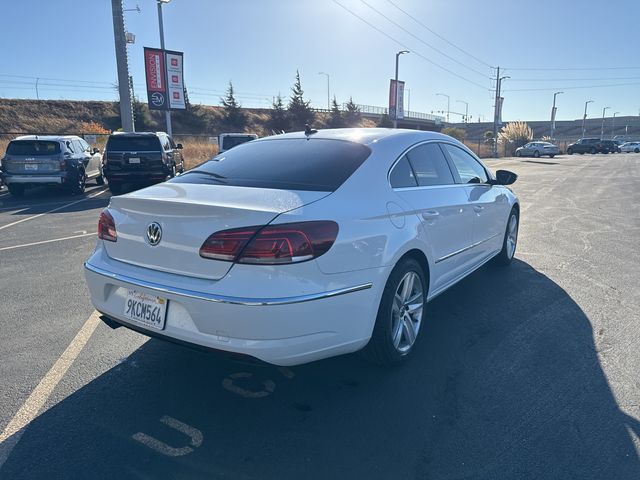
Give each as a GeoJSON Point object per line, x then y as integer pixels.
{"type": "Point", "coordinates": [107, 227]}
{"type": "Point", "coordinates": [273, 244]}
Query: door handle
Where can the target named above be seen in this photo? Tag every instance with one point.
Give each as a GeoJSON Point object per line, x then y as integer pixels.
{"type": "Point", "coordinates": [430, 214]}
{"type": "Point", "coordinates": [478, 208]}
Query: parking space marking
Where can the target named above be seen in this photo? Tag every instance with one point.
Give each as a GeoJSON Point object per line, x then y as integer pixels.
{"type": "Point", "coordinates": [153, 443]}
{"type": "Point", "coordinates": [13, 247]}
{"type": "Point", "coordinates": [228, 384]}
{"type": "Point", "coordinates": [39, 396]}
{"type": "Point", "coordinates": [53, 210]}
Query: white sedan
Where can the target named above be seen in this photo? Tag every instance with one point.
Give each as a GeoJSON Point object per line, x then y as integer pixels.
{"type": "Point", "coordinates": [630, 147]}
{"type": "Point", "coordinates": [303, 246]}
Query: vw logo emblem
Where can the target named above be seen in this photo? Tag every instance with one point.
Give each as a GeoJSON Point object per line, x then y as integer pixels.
{"type": "Point", "coordinates": [154, 233]}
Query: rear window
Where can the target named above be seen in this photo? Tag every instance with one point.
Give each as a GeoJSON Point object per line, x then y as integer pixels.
{"type": "Point", "coordinates": [286, 164]}
{"type": "Point", "coordinates": [122, 143]}
{"type": "Point", "coordinates": [33, 147]}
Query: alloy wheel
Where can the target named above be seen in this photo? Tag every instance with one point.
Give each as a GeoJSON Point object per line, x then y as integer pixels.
{"type": "Point", "coordinates": [406, 312]}
{"type": "Point", "coordinates": [512, 236]}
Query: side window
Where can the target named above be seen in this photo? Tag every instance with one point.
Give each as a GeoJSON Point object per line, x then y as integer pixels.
{"type": "Point", "coordinates": [469, 170]}
{"type": "Point", "coordinates": [77, 146]}
{"type": "Point", "coordinates": [430, 165]}
{"type": "Point", "coordinates": [165, 143]}
{"type": "Point", "coordinates": [70, 148]}
{"type": "Point", "coordinates": [402, 175]}
{"type": "Point", "coordinates": [171, 142]}
{"type": "Point", "coordinates": [85, 146]}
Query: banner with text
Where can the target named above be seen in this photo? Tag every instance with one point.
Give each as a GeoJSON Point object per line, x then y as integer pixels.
{"type": "Point", "coordinates": [165, 79]}
{"type": "Point", "coordinates": [396, 100]}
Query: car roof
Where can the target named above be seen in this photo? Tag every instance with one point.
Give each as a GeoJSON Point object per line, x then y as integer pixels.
{"type": "Point", "coordinates": [137, 134]}
{"type": "Point", "coordinates": [364, 136]}
{"type": "Point", "coordinates": [51, 138]}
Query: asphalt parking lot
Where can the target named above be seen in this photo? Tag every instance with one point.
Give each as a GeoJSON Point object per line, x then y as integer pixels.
{"type": "Point", "coordinates": [527, 372]}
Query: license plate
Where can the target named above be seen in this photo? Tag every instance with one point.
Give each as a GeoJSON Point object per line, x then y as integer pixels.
{"type": "Point", "coordinates": [30, 166]}
{"type": "Point", "coordinates": [146, 309]}
{"type": "Point", "coordinates": [134, 160]}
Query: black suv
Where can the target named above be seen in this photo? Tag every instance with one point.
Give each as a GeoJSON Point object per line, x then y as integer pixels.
{"type": "Point", "coordinates": [590, 145]}
{"type": "Point", "coordinates": [140, 158]}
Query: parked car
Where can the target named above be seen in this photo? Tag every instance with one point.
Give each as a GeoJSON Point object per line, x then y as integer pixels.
{"type": "Point", "coordinates": [65, 160]}
{"type": "Point", "coordinates": [230, 140]}
{"type": "Point", "coordinates": [588, 145]}
{"type": "Point", "coordinates": [630, 147]}
{"type": "Point", "coordinates": [618, 143]}
{"type": "Point", "coordinates": [141, 158]}
{"type": "Point", "coordinates": [537, 149]}
{"type": "Point", "coordinates": [609, 146]}
{"type": "Point", "coordinates": [300, 246]}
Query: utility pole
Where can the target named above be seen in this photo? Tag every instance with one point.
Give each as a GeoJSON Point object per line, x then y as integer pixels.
{"type": "Point", "coordinates": [328, 94]}
{"type": "Point", "coordinates": [126, 110]}
{"type": "Point", "coordinates": [613, 125]}
{"type": "Point", "coordinates": [496, 112]}
{"type": "Point", "coordinates": [167, 112]}
{"type": "Point", "coordinates": [602, 129]}
{"type": "Point", "coordinates": [584, 119]}
{"type": "Point", "coordinates": [553, 114]}
{"type": "Point", "coordinates": [395, 115]}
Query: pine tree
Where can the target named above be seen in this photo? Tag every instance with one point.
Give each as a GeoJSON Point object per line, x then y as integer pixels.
{"type": "Point", "coordinates": [234, 117]}
{"type": "Point", "coordinates": [385, 122]}
{"type": "Point", "coordinates": [278, 118]}
{"type": "Point", "coordinates": [299, 111]}
{"type": "Point", "coordinates": [335, 115]}
{"type": "Point", "coordinates": [352, 113]}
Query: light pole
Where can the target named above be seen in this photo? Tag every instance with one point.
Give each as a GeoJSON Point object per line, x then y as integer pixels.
{"type": "Point", "coordinates": [613, 125]}
{"type": "Point", "coordinates": [167, 112]}
{"type": "Point", "coordinates": [584, 119]}
{"type": "Point", "coordinates": [466, 110]}
{"type": "Point", "coordinates": [408, 98]}
{"type": "Point", "coordinates": [395, 114]}
{"type": "Point", "coordinates": [328, 95]}
{"type": "Point", "coordinates": [448, 103]}
{"type": "Point", "coordinates": [553, 114]}
{"type": "Point", "coordinates": [602, 129]}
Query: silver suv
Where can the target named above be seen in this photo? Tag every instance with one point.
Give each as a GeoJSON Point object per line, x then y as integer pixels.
{"type": "Point", "coordinates": [33, 160]}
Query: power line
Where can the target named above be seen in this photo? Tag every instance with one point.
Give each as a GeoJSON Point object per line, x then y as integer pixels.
{"type": "Point", "coordinates": [571, 88]}
{"type": "Point", "coordinates": [572, 79]}
{"type": "Point", "coordinates": [397, 42]}
{"type": "Point", "coordinates": [569, 69]}
{"type": "Point", "coordinates": [440, 36]}
{"type": "Point", "coordinates": [424, 42]}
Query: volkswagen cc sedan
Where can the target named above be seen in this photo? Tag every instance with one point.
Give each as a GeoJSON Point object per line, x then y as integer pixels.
{"type": "Point", "coordinates": [303, 246]}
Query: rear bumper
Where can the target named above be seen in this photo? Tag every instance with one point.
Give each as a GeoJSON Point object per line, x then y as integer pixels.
{"type": "Point", "coordinates": [33, 179]}
{"type": "Point", "coordinates": [287, 330]}
{"type": "Point", "coordinates": [137, 177]}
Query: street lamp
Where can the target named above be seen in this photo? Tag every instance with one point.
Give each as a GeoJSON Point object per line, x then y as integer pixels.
{"type": "Point", "coordinates": [602, 129]}
{"type": "Point", "coordinates": [613, 125]}
{"type": "Point", "coordinates": [553, 114]}
{"type": "Point", "coordinates": [328, 96]}
{"type": "Point", "coordinates": [466, 110]}
{"type": "Point", "coordinates": [167, 112]}
{"type": "Point", "coordinates": [448, 103]}
{"type": "Point", "coordinates": [395, 114]}
{"type": "Point", "coordinates": [584, 119]}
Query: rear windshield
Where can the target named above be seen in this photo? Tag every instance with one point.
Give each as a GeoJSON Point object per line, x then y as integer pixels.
{"type": "Point", "coordinates": [230, 142]}
{"type": "Point", "coordinates": [33, 147]}
{"type": "Point", "coordinates": [119, 143]}
{"type": "Point", "coordinates": [286, 164]}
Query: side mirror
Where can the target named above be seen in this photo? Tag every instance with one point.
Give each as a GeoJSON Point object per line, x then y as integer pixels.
{"type": "Point", "coordinates": [505, 177]}
{"type": "Point", "coordinates": [94, 151]}
{"type": "Point", "coordinates": [179, 146]}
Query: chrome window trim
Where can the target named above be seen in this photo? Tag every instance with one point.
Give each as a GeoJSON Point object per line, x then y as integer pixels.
{"type": "Point", "coordinates": [246, 301]}
{"type": "Point", "coordinates": [462, 250]}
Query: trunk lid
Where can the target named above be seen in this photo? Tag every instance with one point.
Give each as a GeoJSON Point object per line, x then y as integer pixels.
{"type": "Point", "coordinates": [134, 161]}
{"type": "Point", "coordinates": [31, 165]}
{"type": "Point", "coordinates": [187, 215]}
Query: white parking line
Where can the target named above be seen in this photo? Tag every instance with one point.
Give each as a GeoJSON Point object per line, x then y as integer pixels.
{"type": "Point", "coordinates": [13, 247]}
{"type": "Point", "coordinates": [39, 396]}
{"type": "Point", "coordinates": [53, 210]}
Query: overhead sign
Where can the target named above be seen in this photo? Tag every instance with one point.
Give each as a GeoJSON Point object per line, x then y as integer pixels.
{"type": "Point", "coordinates": [396, 100]}
{"type": "Point", "coordinates": [165, 81]}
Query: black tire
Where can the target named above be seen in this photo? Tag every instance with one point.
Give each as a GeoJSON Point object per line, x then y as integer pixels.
{"type": "Point", "coordinates": [79, 184]}
{"type": "Point", "coordinates": [569, 151]}
{"type": "Point", "coordinates": [592, 151]}
{"type": "Point", "coordinates": [172, 172]}
{"type": "Point", "coordinates": [115, 188]}
{"type": "Point", "coordinates": [552, 155]}
{"type": "Point", "coordinates": [636, 150]}
{"type": "Point", "coordinates": [16, 189]}
{"type": "Point", "coordinates": [505, 257]}
{"type": "Point", "coordinates": [381, 349]}
{"type": "Point", "coordinates": [100, 178]}
{"type": "Point", "coordinates": [536, 154]}
{"type": "Point", "coordinates": [182, 167]}
{"type": "Point", "coordinates": [517, 153]}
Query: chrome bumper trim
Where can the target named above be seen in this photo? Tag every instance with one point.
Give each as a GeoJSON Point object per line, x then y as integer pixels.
{"type": "Point", "coordinates": [223, 298]}
{"type": "Point", "coordinates": [17, 178]}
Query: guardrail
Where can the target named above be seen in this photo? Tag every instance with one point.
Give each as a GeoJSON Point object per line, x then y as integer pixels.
{"type": "Point", "coordinates": [373, 110]}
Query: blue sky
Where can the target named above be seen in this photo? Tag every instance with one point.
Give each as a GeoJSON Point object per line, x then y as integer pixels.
{"type": "Point", "coordinates": [259, 44]}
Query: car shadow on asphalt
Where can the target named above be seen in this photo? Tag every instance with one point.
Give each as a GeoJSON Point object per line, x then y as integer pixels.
{"type": "Point", "coordinates": [506, 383]}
